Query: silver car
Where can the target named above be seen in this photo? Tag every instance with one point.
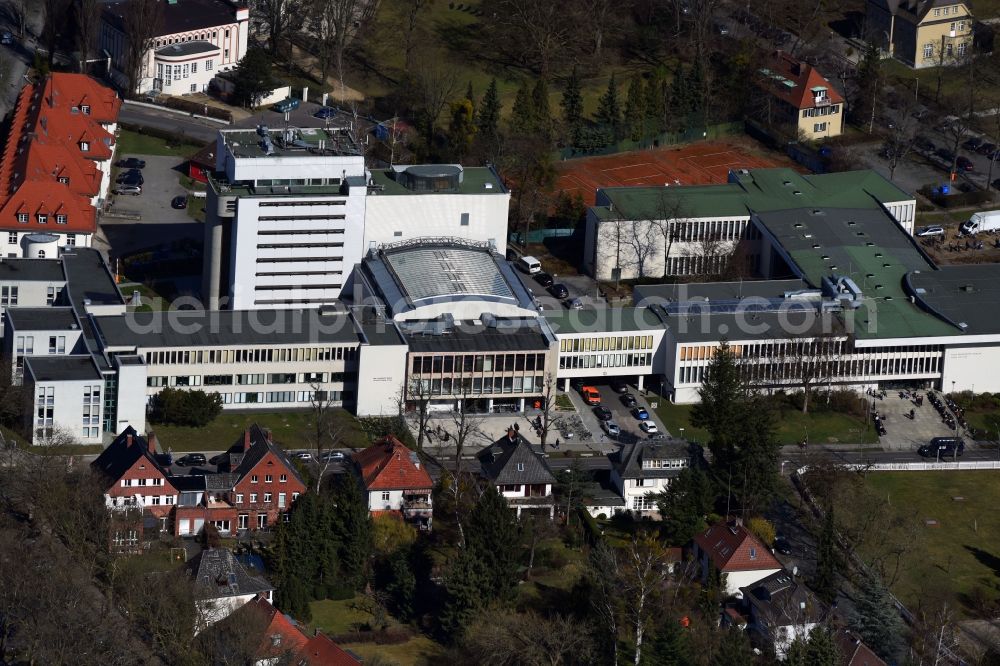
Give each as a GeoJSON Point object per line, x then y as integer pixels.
{"type": "Point", "coordinates": [133, 190]}
{"type": "Point", "coordinates": [933, 230]}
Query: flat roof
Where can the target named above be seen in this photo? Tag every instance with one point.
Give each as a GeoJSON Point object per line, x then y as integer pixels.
{"type": "Point", "coordinates": [31, 270]}
{"type": "Point", "coordinates": [208, 328]}
{"type": "Point", "coordinates": [187, 48]}
{"type": "Point", "coordinates": [706, 327]}
{"type": "Point", "coordinates": [968, 295]}
{"type": "Point", "coordinates": [871, 248]}
{"type": "Point", "coordinates": [602, 320]}
{"type": "Point", "coordinates": [61, 368]}
{"type": "Point", "coordinates": [510, 335]}
{"type": "Point", "coordinates": [89, 279]}
{"type": "Point", "coordinates": [380, 332]}
{"type": "Point", "coordinates": [474, 180]}
{"type": "Point", "coordinates": [756, 190]}
{"type": "Point", "coordinates": [713, 291]}
{"type": "Point", "coordinates": [182, 15]}
{"type": "Point", "coordinates": [43, 319]}
{"type": "Point", "coordinates": [290, 141]}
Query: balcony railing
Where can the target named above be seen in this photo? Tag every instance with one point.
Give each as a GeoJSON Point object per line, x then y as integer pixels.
{"type": "Point", "coordinates": [822, 101]}
{"type": "Point", "coordinates": [416, 505]}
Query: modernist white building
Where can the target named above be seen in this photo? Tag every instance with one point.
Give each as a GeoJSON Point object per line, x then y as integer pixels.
{"type": "Point", "coordinates": [197, 40]}
{"type": "Point", "coordinates": [680, 231]}
{"type": "Point", "coordinates": [290, 212]}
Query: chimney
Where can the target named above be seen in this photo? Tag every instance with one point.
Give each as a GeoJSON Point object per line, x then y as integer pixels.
{"type": "Point", "coordinates": [246, 439]}
{"type": "Point", "coordinates": [268, 433]}
{"type": "Point", "coordinates": [151, 442]}
{"type": "Point", "coordinates": [128, 441]}
{"type": "Point", "coordinates": [511, 435]}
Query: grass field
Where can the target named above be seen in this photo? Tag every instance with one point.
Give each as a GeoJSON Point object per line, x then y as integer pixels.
{"type": "Point", "coordinates": [290, 429]}
{"type": "Point", "coordinates": [960, 553]}
{"type": "Point", "coordinates": [131, 144]}
{"type": "Point", "coordinates": [793, 426]}
{"type": "Point", "coordinates": [336, 617]}
{"type": "Point", "coordinates": [339, 617]}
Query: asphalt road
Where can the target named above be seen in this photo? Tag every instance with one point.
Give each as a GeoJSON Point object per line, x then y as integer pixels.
{"type": "Point", "coordinates": [196, 128]}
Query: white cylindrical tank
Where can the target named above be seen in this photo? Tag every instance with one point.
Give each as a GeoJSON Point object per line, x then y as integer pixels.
{"type": "Point", "coordinates": [41, 246]}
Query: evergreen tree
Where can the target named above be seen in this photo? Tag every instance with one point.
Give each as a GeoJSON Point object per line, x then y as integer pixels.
{"type": "Point", "coordinates": [488, 118]}
{"type": "Point", "coordinates": [463, 595]}
{"type": "Point", "coordinates": [402, 584]}
{"type": "Point", "coordinates": [462, 129]}
{"type": "Point", "coordinates": [352, 526]}
{"type": "Point", "coordinates": [680, 100]}
{"type": "Point", "coordinates": [684, 504]}
{"type": "Point", "coordinates": [876, 620]}
{"type": "Point", "coordinates": [696, 93]}
{"type": "Point", "coordinates": [522, 116]}
{"type": "Point", "coordinates": [635, 110]}
{"type": "Point", "coordinates": [720, 410]}
{"type": "Point", "coordinates": [822, 649]}
{"type": "Point", "coordinates": [869, 74]}
{"type": "Point", "coordinates": [471, 96]}
{"type": "Point", "coordinates": [827, 561]}
{"type": "Point", "coordinates": [542, 112]}
{"type": "Point", "coordinates": [492, 538]}
{"type": "Point", "coordinates": [654, 103]}
{"type": "Point", "coordinates": [608, 111]}
{"type": "Point", "coordinates": [734, 649]}
{"type": "Point", "coordinates": [572, 107]}
{"type": "Point", "coordinates": [669, 647]}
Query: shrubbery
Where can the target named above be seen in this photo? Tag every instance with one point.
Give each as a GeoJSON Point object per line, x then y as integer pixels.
{"type": "Point", "coordinates": [842, 402]}
{"type": "Point", "coordinates": [185, 408]}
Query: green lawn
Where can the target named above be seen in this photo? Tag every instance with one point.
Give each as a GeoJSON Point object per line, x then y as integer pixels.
{"type": "Point", "coordinates": [418, 651]}
{"type": "Point", "coordinates": [793, 426]}
{"type": "Point", "coordinates": [291, 430]}
{"type": "Point", "coordinates": [962, 552]}
{"type": "Point", "coordinates": [336, 617]}
{"type": "Point", "coordinates": [133, 144]}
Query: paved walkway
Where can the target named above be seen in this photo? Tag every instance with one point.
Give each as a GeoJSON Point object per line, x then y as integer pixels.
{"type": "Point", "coordinates": [902, 434]}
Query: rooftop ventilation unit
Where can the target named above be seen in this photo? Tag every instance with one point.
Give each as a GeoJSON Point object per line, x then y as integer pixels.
{"type": "Point", "coordinates": [844, 290]}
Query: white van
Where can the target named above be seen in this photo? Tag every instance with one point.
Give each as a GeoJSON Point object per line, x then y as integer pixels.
{"type": "Point", "coordinates": [982, 222]}
{"type": "Point", "coordinates": [529, 265]}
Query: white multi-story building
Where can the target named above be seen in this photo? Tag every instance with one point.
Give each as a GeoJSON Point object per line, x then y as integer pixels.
{"type": "Point", "coordinates": [197, 40]}
{"type": "Point", "coordinates": [290, 212]}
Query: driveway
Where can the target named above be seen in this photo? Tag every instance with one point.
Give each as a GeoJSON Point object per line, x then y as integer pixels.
{"type": "Point", "coordinates": [158, 223]}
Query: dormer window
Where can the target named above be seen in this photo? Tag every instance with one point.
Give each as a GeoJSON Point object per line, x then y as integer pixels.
{"type": "Point", "coordinates": [520, 467]}
{"type": "Point", "coordinates": [60, 218]}
{"type": "Point", "coordinates": [85, 109]}
{"type": "Point", "coordinates": [84, 146]}
{"type": "Point", "coordinates": [22, 218]}
{"type": "Point", "coordinates": [64, 180]}
{"type": "Point", "coordinates": [43, 218]}
{"type": "Point", "coordinates": [753, 553]}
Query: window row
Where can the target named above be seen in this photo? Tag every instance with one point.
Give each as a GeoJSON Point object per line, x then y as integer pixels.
{"type": "Point", "coordinates": [477, 363]}
{"type": "Point", "coordinates": [606, 343]}
{"type": "Point", "coordinates": [282, 396]}
{"type": "Point", "coordinates": [697, 264]}
{"type": "Point", "coordinates": [830, 110]}
{"type": "Point", "coordinates": [43, 218]}
{"type": "Point", "coordinates": [605, 361]}
{"type": "Point", "coordinates": [300, 181]}
{"type": "Point", "coordinates": [282, 355]}
{"type": "Point", "coordinates": [130, 483]}
{"type": "Point", "coordinates": [699, 230]}
{"type": "Point", "coordinates": [477, 386]}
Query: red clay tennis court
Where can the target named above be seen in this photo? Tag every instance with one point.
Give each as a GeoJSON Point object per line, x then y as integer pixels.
{"type": "Point", "coordinates": [694, 164]}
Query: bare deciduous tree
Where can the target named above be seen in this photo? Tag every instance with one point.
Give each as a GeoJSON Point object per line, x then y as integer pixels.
{"type": "Point", "coordinates": [414, 406]}
{"type": "Point", "coordinates": [19, 12]}
{"type": "Point", "coordinates": [640, 239]}
{"type": "Point", "coordinates": [280, 18]}
{"type": "Point", "coordinates": [547, 408]}
{"type": "Point", "coordinates": [141, 20]}
{"type": "Point", "coordinates": [528, 638]}
{"type": "Point", "coordinates": [327, 431]}
{"type": "Point", "coordinates": [87, 14]}
{"type": "Point", "coordinates": [336, 22]}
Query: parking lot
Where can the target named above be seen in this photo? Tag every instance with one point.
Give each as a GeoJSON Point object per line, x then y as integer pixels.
{"type": "Point", "coordinates": [580, 287]}
{"type": "Point", "coordinates": [158, 223]}
{"type": "Point", "coordinates": [621, 415]}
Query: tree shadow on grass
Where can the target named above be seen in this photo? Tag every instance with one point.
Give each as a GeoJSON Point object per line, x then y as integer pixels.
{"type": "Point", "coordinates": [986, 559]}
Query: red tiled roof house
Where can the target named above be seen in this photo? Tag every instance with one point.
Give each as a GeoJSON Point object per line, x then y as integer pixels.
{"type": "Point", "coordinates": [395, 481]}
{"type": "Point", "coordinates": [800, 97]}
{"type": "Point", "coordinates": [736, 553]}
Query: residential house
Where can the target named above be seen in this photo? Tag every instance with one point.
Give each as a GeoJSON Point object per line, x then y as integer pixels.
{"type": "Point", "coordinates": [519, 472]}
{"type": "Point", "coordinates": [800, 98]}
{"type": "Point", "coordinates": [779, 611]}
{"type": "Point", "coordinates": [135, 481]}
{"type": "Point", "coordinates": [642, 469]}
{"type": "Point", "coordinates": [738, 555]}
{"type": "Point", "coordinates": [196, 40]}
{"type": "Point", "coordinates": [223, 585]}
{"type": "Point", "coordinates": [395, 481]}
{"type": "Point", "coordinates": [321, 651]}
{"type": "Point", "coordinates": [266, 481]}
{"type": "Point", "coordinates": [922, 33]}
{"type": "Point", "coordinates": [855, 653]}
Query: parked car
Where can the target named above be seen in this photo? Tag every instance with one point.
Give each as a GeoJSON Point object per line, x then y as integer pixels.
{"type": "Point", "coordinates": [191, 459]}
{"type": "Point", "coordinates": [132, 190]}
{"type": "Point", "coordinates": [591, 395]}
{"type": "Point", "coordinates": [619, 386]}
{"type": "Point", "coordinates": [6, 37]}
{"type": "Point", "coordinates": [640, 413]}
{"type": "Point", "coordinates": [302, 455]}
{"type": "Point", "coordinates": [331, 456]}
{"type": "Point", "coordinates": [923, 143]}
{"type": "Point", "coordinates": [179, 202]}
{"type": "Point", "coordinates": [287, 104]}
{"type": "Point", "coordinates": [216, 459]}
{"type": "Point", "coordinates": [987, 148]}
{"type": "Point", "coordinates": [972, 143]}
{"type": "Point", "coordinates": [325, 113]}
{"type": "Point", "coordinates": [933, 230]}
{"type": "Point", "coordinates": [963, 163]}
{"type": "Point", "coordinates": [612, 428]}
{"type": "Point", "coordinates": [603, 413]}
{"type": "Point", "coordinates": [781, 545]}
{"type": "Point", "coordinates": [132, 163]}
{"type": "Point", "coordinates": [544, 279]}
{"type": "Point", "coordinates": [945, 154]}
{"type": "Point", "coordinates": [165, 459]}
{"type": "Point", "coordinates": [573, 303]}
{"type": "Point", "coordinates": [130, 177]}
{"type": "Point", "coordinates": [628, 400]}
{"type": "Point", "coordinates": [648, 427]}
{"type": "Point", "coordinates": [943, 447]}
{"type": "Point", "coordinates": [559, 290]}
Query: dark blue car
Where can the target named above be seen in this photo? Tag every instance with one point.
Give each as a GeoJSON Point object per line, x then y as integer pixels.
{"type": "Point", "coordinates": [640, 413]}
